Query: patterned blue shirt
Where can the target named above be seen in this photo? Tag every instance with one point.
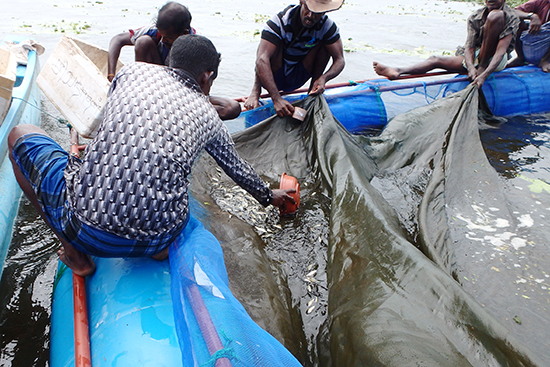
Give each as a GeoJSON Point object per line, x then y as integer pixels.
{"type": "Point", "coordinates": [134, 177]}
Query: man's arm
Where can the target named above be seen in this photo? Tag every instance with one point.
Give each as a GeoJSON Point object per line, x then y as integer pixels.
{"type": "Point", "coordinates": [534, 20]}
{"type": "Point", "coordinates": [116, 44]}
{"type": "Point", "coordinates": [227, 108]}
{"type": "Point", "coordinates": [469, 56]}
{"type": "Point", "coordinates": [266, 50]}
{"type": "Point", "coordinates": [241, 172]}
{"type": "Point", "coordinates": [336, 51]}
{"type": "Point", "coordinates": [502, 47]}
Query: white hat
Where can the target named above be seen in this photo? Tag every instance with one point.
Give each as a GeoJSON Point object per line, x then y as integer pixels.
{"type": "Point", "coordinates": [323, 6]}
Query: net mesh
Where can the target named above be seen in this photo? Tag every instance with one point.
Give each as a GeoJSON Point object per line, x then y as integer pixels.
{"type": "Point", "coordinates": [214, 329]}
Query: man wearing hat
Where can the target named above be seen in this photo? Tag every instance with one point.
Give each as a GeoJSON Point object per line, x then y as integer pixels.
{"type": "Point", "coordinates": [296, 46]}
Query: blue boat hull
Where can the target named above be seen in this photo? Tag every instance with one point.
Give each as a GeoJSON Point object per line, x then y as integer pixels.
{"type": "Point", "coordinates": [367, 107]}
{"type": "Point", "coordinates": [130, 301]}
{"type": "Point", "coordinates": [23, 110]}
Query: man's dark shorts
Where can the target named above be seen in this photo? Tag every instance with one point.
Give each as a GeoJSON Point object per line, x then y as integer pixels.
{"type": "Point", "coordinates": [42, 161]}
{"type": "Point", "coordinates": [297, 77]}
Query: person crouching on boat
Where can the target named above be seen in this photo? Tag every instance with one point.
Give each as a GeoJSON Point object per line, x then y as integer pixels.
{"type": "Point", "coordinates": [296, 46]}
{"type": "Point", "coordinates": [491, 33]}
{"type": "Point", "coordinates": [128, 196]}
{"type": "Point", "coordinates": [152, 44]}
{"type": "Point", "coordinates": [533, 44]}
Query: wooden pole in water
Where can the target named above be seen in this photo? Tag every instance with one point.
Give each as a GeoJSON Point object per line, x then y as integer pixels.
{"type": "Point", "coordinates": [206, 326]}
{"type": "Point", "coordinates": [82, 353]}
{"type": "Point", "coordinates": [352, 82]}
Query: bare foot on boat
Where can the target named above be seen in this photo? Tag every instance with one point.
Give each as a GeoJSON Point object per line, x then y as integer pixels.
{"type": "Point", "coordinates": [545, 66]}
{"type": "Point", "coordinates": [163, 255]}
{"type": "Point", "coordinates": [387, 71]}
{"type": "Point", "coordinates": [252, 102]}
{"type": "Point", "coordinates": [516, 61]}
{"type": "Point", "coordinates": [81, 264]}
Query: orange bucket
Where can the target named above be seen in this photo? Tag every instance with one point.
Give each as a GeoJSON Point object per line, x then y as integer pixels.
{"type": "Point", "coordinates": [289, 182]}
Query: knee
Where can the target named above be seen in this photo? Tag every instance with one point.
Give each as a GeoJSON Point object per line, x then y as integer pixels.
{"type": "Point", "coordinates": [15, 133]}
{"type": "Point", "coordinates": [496, 17]}
{"type": "Point", "coordinates": [143, 47]}
{"type": "Point", "coordinates": [21, 130]}
{"type": "Point", "coordinates": [435, 61]}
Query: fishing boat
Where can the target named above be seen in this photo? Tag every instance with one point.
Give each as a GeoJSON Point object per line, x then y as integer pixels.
{"type": "Point", "coordinates": [389, 303]}
{"type": "Point", "coordinates": [143, 312]}
{"type": "Point", "coordinates": [21, 95]}
{"type": "Point", "coordinates": [182, 311]}
{"type": "Point", "coordinates": [366, 106]}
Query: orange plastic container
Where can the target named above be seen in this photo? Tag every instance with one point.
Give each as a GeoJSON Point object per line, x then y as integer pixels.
{"type": "Point", "coordinates": [289, 182]}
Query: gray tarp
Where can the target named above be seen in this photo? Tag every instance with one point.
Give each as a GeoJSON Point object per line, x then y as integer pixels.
{"type": "Point", "coordinates": [388, 303]}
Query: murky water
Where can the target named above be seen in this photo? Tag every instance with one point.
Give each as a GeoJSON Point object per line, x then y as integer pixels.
{"type": "Point", "coordinates": [370, 32]}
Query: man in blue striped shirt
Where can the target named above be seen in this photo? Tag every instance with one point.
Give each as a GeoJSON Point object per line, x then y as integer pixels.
{"type": "Point", "coordinates": [296, 46]}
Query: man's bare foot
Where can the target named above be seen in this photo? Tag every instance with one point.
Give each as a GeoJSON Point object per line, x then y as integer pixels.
{"type": "Point", "coordinates": [83, 265]}
{"type": "Point", "coordinates": [163, 255]}
{"type": "Point", "coordinates": [545, 66]}
{"type": "Point", "coordinates": [516, 61]}
{"type": "Point", "coordinates": [251, 102]}
{"type": "Point", "coordinates": [387, 71]}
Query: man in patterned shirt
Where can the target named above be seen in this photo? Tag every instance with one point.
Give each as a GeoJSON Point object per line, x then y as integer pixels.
{"type": "Point", "coordinates": [128, 196]}
{"type": "Point", "coordinates": [492, 30]}
{"type": "Point", "coordinates": [296, 46]}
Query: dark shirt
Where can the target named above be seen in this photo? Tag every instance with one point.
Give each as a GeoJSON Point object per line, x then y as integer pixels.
{"type": "Point", "coordinates": [134, 177]}
{"type": "Point", "coordinates": [476, 23]}
{"type": "Point", "coordinates": [286, 28]}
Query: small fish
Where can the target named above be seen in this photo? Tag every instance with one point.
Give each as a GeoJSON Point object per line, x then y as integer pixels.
{"type": "Point", "coordinates": [311, 273]}
{"type": "Point", "coordinates": [310, 310]}
{"type": "Point", "coordinates": [311, 280]}
{"type": "Point", "coordinates": [311, 301]}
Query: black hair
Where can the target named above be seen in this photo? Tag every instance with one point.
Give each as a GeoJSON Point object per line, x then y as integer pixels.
{"type": "Point", "coordinates": [194, 54]}
{"type": "Point", "coordinates": [174, 15]}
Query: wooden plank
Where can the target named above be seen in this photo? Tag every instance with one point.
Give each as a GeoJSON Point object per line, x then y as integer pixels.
{"type": "Point", "coordinates": [74, 83]}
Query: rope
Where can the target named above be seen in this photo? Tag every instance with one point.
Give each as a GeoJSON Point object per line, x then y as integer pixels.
{"type": "Point", "coordinates": [60, 120]}
{"type": "Point", "coordinates": [58, 276]}
{"type": "Point", "coordinates": [383, 115]}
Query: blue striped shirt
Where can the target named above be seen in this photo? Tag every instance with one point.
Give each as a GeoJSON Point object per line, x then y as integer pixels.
{"type": "Point", "coordinates": [297, 40]}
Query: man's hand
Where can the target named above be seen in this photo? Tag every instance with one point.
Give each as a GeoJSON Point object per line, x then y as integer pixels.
{"type": "Point", "coordinates": [534, 24]}
{"type": "Point", "coordinates": [283, 107]}
{"type": "Point", "coordinates": [479, 80]}
{"type": "Point", "coordinates": [281, 196]}
{"type": "Point", "coordinates": [472, 74]}
{"type": "Point", "coordinates": [481, 76]}
{"type": "Point", "coordinates": [318, 87]}
{"type": "Point", "coordinates": [251, 102]}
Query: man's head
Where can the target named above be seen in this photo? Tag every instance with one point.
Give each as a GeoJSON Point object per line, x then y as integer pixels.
{"type": "Point", "coordinates": [198, 56]}
{"type": "Point", "coordinates": [173, 21]}
{"type": "Point", "coordinates": [312, 11]}
{"type": "Point", "coordinates": [494, 4]}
